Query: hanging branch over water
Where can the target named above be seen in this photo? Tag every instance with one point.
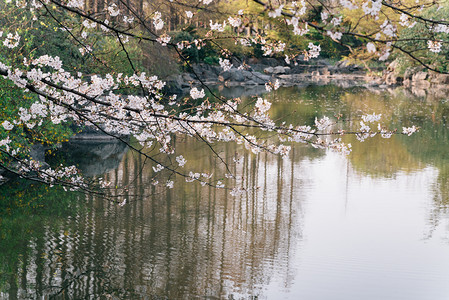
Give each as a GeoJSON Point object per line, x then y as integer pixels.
{"type": "Point", "coordinates": [135, 104]}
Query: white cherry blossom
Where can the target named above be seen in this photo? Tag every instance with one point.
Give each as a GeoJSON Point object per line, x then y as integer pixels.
{"type": "Point", "coordinates": [7, 125]}
{"type": "Point", "coordinates": [434, 46]}
{"type": "Point", "coordinates": [197, 94]}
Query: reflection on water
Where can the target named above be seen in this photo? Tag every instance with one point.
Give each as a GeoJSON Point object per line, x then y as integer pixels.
{"type": "Point", "coordinates": [93, 157]}
{"type": "Point", "coordinates": [176, 244]}
{"type": "Point", "coordinates": [317, 225]}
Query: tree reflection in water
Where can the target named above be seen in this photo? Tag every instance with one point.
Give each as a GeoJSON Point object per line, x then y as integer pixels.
{"type": "Point", "coordinates": [175, 244]}
{"type": "Point", "coordinates": [193, 241]}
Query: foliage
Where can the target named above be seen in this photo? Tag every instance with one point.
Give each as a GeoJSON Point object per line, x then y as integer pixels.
{"type": "Point", "coordinates": [191, 54]}
{"type": "Point", "coordinates": [46, 132]}
{"type": "Point", "coordinates": [211, 60]}
{"type": "Point", "coordinates": [415, 41]}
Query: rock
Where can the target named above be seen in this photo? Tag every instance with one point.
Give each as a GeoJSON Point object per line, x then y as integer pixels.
{"type": "Point", "coordinates": [249, 68]}
{"type": "Point", "coordinates": [260, 78]}
{"type": "Point", "coordinates": [322, 62]}
{"type": "Point", "coordinates": [205, 68]}
{"type": "Point", "coordinates": [408, 74]}
{"type": "Point", "coordinates": [393, 65]}
{"type": "Point", "coordinates": [197, 68]}
{"type": "Point", "coordinates": [236, 75]}
{"type": "Point", "coordinates": [392, 79]}
{"type": "Point", "coordinates": [37, 153]}
{"type": "Point", "coordinates": [224, 76]}
{"type": "Point", "coordinates": [174, 84]}
{"type": "Point", "coordinates": [208, 75]}
{"type": "Point", "coordinates": [250, 82]}
{"type": "Point", "coordinates": [389, 79]}
{"type": "Point", "coordinates": [391, 75]}
{"type": "Point", "coordinates": [280, 70]}
{"type": "Point", "coordinates": [233, 75]}
{"type": "Point", "coordinates": [440, 78]}
{"type": "Point", "coordinates": [372, 83]}
{"type": "Point", "coordinates": [421, 84]}
{"type": "Point", "coordinates": [420, 76]}
{"type": "Point", "coordinates": [343, 64]}
{"type": "Point", "coordinates": [286, 83]}
{"type": "Point", "coordinates": [216, 69]}
{"type": "Point", "coordinates": [315, 73]}
{"type": "Point", "coordinates": [270, 61]}
{"type": "Point", "coordinates": [340, 76]}
{"type": "Point", "coordinates": [268, 70]}
{"type": "Point", "coordinates": [206, 71]}
{"type": "Point", "coordinates": [253, 61]}
{"type": "Point", "coordinates": [247, 74]}
{"type": "Point", "coordinates": [332, 69]}
{"type": "Point", "coordinates": [187, 77]}
{"type": "Point", "coordinates": [347, 67]}
{"type": "Point", "coordinates": [299, 69]}
{"type": "Point", "coordinates": [439, 92]}
{"type": "Point", "coordinates": [325, 71]}
{"type": "Point", "coordinates": [410, 71]}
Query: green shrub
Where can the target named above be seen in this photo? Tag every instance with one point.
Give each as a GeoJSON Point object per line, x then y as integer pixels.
{"type": "Point", "coordinates": [211, 60]}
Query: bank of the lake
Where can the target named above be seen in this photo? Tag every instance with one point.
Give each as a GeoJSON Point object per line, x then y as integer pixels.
{"type": "Point", "coordinates": [259, 72]}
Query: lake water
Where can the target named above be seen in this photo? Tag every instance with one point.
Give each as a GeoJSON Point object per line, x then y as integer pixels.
{"type": "Point", "coordinates": [316, 225]}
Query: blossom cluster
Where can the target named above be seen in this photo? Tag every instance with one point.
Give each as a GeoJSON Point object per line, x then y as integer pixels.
{"type": "Point", "coordinates": [154, 118]}
{"type": "Point", "coordinates": [409, 130]}
{"type": "Point", "coordinates": [12, 40]}
{"type": "Point", "coordinates": [372, 7]}
{"type": "Point", "coordinates": [314, 51]}
{"type": "Point", "coordinates": [157, 21]}
{"type": "Point", "coordinates": [225, 64]}
{"type": "Point", "coordinates": [434, 46]}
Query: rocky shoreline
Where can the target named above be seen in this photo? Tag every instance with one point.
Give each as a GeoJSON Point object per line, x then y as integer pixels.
{"type": "Point", "coordinates": [419, 80]}
{"type": "Point", "coordinates": [259, 72]}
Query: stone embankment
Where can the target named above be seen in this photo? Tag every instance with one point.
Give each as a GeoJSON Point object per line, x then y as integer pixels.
{"type": "Point", "coordinates": [419, 80]}
{"type": "Point", "coordinates": [262, 71]}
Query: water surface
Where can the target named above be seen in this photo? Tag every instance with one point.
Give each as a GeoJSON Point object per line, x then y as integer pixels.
{"type": "Point", "coordinates": [317, 225]}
